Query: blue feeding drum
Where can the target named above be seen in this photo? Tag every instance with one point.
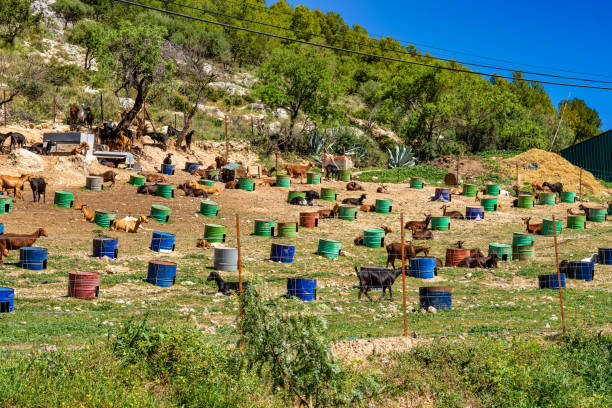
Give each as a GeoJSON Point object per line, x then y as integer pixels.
{"type": "Point", "coordinates": [161, 273]}
{"type": "Point", "coordinates": [189, 167]}
{"type": "Point", "coordinates": [282, 253]}
{"type": "Point", "coordinates": [163, 242]}
{"type": "Point", "coordinates": [305, 289]}
{"type": "Point", "coordinates": [34, 259]}
{"type": "Point", "coordinates": [581, 270]}
{"type": "Point", "coordinates": [605, 256]}
{"type": "Point", "coordinates": [551, 281]}
{"type": "Point", "coordinates": [474, 213]}
{"type": "Point", "coordinates": [423, 268]}
{"type": "Point", "coordinates": [1, 228]}
{"type": "Point", "coordinates": [7, 296]}
{"type": "Point", "coordinates": [442, 194]}
{"type": "Point", "coordinates": [168, 169]}
{"type": "Point", "coordinates": [105, 247]}
{"type": "Point", "coordinates": [439, 297]}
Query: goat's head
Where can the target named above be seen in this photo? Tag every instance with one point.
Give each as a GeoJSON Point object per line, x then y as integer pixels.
{"type": "Point", "coordinates": [213, 277]}
{"type": "Point", "coordinates": [460, 244]}
{"type": "Point", "coordinates": [143, 219]}
{"type": "Point", "coordinates": [526, 220]}
{"type": "Point", "coordinates": [42, 232]}
{"type": "Point", "coordinates": [386, 229]}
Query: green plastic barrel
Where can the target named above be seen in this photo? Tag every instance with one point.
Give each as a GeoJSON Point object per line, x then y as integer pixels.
{"type": "Point", "coordinates": [383, 206]}
{"type": "Point", "coordinates": [547, 198]}
{"type": "Point", "coordinates": [246, 184]}
{"type": "Point", "coordinates": [214, 233]}
{"type": "Point", "coordinates": [283, 180]}
{"type": "Point", "coordinates": [293, 194]}
{"type": "Point", "coordinates": [416, 182]}
{"type": "Point", "coordinates": [523, 252]}
{"type": "Point", "coordinates": [525, 201]}
{"type": "Point", "coordinates": [489, 204]}
{"type": "Point", "coordinates": [347, 212]}
{"type": "Point", "coordinates": [470, 190]}
{"type": "Point", "coordinates": [209, 208]}
{"type": "Point", "coordinates": [160, 213]}
{"type": "Point", "coordinates": [206, 182]}
{"type": "Point", "coordinates": [503, 251]}
{"type": "Point", "coordinates": [165, 190]}
{"type": "Point", "coordinates": [63, 199]}
{"type": "Point", "coordinates": [104, 218]}
{"type": "Point", "coordinates": [329, 248]}
{"type": "Point", "coordinates": [441, 223]}
{"type": "Point", "coordinates": [328, 194]}
{"type": "Point", "coordinates": [137, 180]}
{"type": "Point", "coordinates": [547, 226]}
{"type": "Point", "coordinates": [568, 197]}
{"type": "Point", "coordinates": [344, 175]}
{"type": "Point", "coordinates": [522, 238]}
{"type": "Point", "coordinates": [313, 177]}
{"type": "Point", "coordinates": [6, 204]}
{"type": "Point", "coordinates": [264, 228]}
{"type": "Point", "coordinates": [576, 221]}
{"type": "Point", "coordinates": [492, 189]}
{"type": "Point", "coordinates": [597, 214]}
{"type": "Point", "coordinates": [287, 229]}
{"type": "Point", "coordinates": [373, 237]}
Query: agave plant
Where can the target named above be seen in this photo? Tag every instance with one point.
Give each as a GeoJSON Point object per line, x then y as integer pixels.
{"type": "Point", "coordinates": [401, 156]}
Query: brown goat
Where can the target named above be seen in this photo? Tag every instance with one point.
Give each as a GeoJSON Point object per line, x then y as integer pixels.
{"type": "Point", "coordinates": [230, 185]}
{"type": "Point", "coordinates": [422, 235]}
{"type": "Point", "coordinates": [153, 178]}
{"type": "Point", "coordinates": [333, 213]}
{"type": "Point", "coordinates": [80, 149]}
{"type": "Point", "coordinates": [220, 162]}
{"type": "Point", "coordinates": [199, 172]}
{"type": "Point", "coordinates": [108, 176]}
{"type": "Point", "coordinates": [353, 186]}
{"type": "Point", "coordinates": [295, 170]}
{"type": "Point", "coordinates": [418, 225]}
{"type": "Point", "coordinates": [571, 211]}
{"type": "Point", "coordinates": [202, 243]}
{"type": "Point", "coordinates": [89, 215]}
{"type": "Point", "coordinates": [382, 189]}
{"type": "Point", "coordinates": [14, 183]}
{"type": "Point", "coordinates": [368, 208]}
{"type": "Point", "coordinates": [394, 251]}
{"type": "Point", "coordinates": [453, 214]}
{"type": "Point", "coordinates": [532, 228]}
{"type": "Point", "coordinates": [10, 242]}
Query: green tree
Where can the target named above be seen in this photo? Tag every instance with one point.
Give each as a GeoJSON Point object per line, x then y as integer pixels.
{"type": "Point", "coordinates": [583, 120]}
{"type": "Point", "coordinates": [22, 75]}
{"type": "Point", "coordinates": [88, 34]}
{"type": "Point", "coordinates": [72, 10]}
{"type": "Point", "coordinates": [15, 17]}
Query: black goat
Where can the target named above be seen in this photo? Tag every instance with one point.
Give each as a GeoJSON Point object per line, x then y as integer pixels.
{"type": "Point", "coordinates": [355, 201]}
{"type": "Point", "coordinates": [300, 201]}
{"type": "Point", "coordinates": [192, 192]}
{"type": "Point", "coordinates": [311, 195]}
{"type": "Point", "coordinates": [377, 278]}
{"type": "Point", "coordinates": [159, 137]}
{"type": "Point", "coordinates": [150, 189]}
{"type": "Point", "coordinates": [172, 132]}
{"type": "Point", "coordinates": [226, 287]}
{"type": "Point", "coordinates": [17, 140]}
{"type": "Point", "coordinates": [555, 188]}
{"type": "Point", "coordinates": [3, 137]}
{"type": "Point", "coordinates": [168, 159]}
{"type": "Point", "coordinates": [188, 138]}
{"type": "Point", "coordinates": [331, 169]}
{"type": "Point", "coordinates": [38, 186]}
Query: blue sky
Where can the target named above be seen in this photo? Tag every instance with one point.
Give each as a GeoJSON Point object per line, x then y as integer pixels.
{"type": "Point", "coordinates": [561, 34]}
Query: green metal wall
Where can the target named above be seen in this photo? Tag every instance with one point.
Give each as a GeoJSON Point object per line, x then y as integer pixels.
{"type": "Point", "coordinates": [594, 155]}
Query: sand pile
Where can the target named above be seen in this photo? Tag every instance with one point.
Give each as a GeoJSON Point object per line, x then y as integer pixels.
{"type": "Point", "coordinates": [552, 168]}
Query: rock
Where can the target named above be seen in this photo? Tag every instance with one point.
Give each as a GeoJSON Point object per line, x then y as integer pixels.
{"type": "Point", "coordinates": [468, 275]}
{"type": "Point", "coordinates": [432, 309]}
{"type": "Point", "coordinates": [187, 283]}
{"type": "Point", "coordinates": [281, 114]}
{"type": "Point", "coordinates": [422, 310]}
{"type": "Point", "coordinates": [27, 161]}
{"type": "Point", "coordinates": [374, 178]}
{"type": "Point", "coordinates": [126, 103]}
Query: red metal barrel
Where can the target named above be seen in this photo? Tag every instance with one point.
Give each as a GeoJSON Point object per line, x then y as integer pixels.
{"type": "Point", "coordinates": [83, 285]}
{"type": "Point", "coordinates": [456, 255]}
{"type": "Point", "coordinates": [309, 219]}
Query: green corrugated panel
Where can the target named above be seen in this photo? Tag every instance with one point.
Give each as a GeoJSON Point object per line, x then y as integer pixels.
{"type": "Point", "coordinates": [593, 155]}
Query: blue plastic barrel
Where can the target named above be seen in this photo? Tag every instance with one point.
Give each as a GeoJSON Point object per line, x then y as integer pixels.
{"type": "Point", "coordinates": [282, 253]}
{"type": "Point", "coordinates": [605, 256]}
{"type": "Point", "coordinates": [32, 258]}
{"type": "Point", "coordinates": [581, 270]}
{"type": "Point", "coordinates": [168, 169]}
{"type": "Point", "coordinates": [189, 167]}
{"type": "Point", "coordinates": [423, 268]}
{"type": "Point", "coordinates": [551, 281]}
{"type": "Point", "coordinates": [474, 213]}
{"type": "Point", "coordinates": [439, 297]}
{"type": "Point", "coordinates": [108, 247]}
{"type": "Point", "coordinates": [305, 289]}
{"type": "Point", "coordinates": [442, 194]}
{"type": "Point", "coordinates": [161, 273]}
{"type": "Point", "coordinates": [163, 242]}
{"type": "Point", "coordinates": [7, 296]}
{"type": "Point", "coordinates": [1, 228]}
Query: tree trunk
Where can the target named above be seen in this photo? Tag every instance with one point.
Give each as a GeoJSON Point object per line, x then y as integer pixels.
{"type": "Point", "coordinates": [143, 90]}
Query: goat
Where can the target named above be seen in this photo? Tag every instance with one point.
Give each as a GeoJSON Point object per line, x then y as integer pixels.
{"type": "Point", "coordinates": [355, 201]}
{"type": "Point", "coordinates": [220, 162]}
{"type": "Point", "coordinates": [300, 201]}
{"type": "Point", "coordinates": [209, 189]}
{"type": "Point", "coordinates": [453, 214]}
{"type": "Point", "coordinates": [89, 117]}
{"type": "Point", "coordinates": [153, 178]}
{"type": "Point", "coordinates": [353, 186]}
{"type": "Point", "coordinates": [555, 188]}
{"type": "Point", "coordinates": [10, 242]}
{"type": "Point", "coordinates": [384, 278]}
{"type": "Point", "coordinates": [108, 177]}
{"type": "Point", "coordinates": [571, 211]}
{"type": "Point", "coordinates": [382, 189]}
{"type": "Point", "coordinates": [189, 138]}
{"type": "Point", "coordinates": [128, 224]}
{"type": "Point", "coordinates": [38, 186]}
{"type": "Point", "coordinates": [267, 181]}
{"type": "Point", "coordinates": [145, 189]}
{"type": "Point", "coordinates": [15, 183]}
{"type": "Point", "coordinates": [172, 132]}
{"type": "Point", "coordinates": [89, 215]}
{"type": "Point", "coordinates": [17, 140]}
{"type": "Point", "coordinates": [4, 136]}
{"type": "Point", "coordinates": [81, 149]}
{"type": "Point", "coordinates": [535, 187]}
{"type": "Point", "coordinates": [532, 228]}
{"type": "Point", "coordinates": [418, 225]}
{"type": "Point", "coordinates": [226, 287]}
{"type": "Point", "coordinates": [199, 172]}
{"type": "Point", "coordinates": [585, 209]}
{"type": "Point", "coordinates": [295, 170]}
{"type": "Point", "coordinates": [159, 138]}
{"type": "Point", "coordinates": [476, 252]}
{"type": "Point", "coordinates": [422, 235]}
{"type": "Point", "coordinates": [231, 185]}
{"type": "Point", "coordinates": [368, 208]}
{"type": "Point", "coordinates": [39, 148]}
{"type": "Point", "coordinates": [108, 163]}
{"type": "Point", "coordinates": [168, 159]}
{"type": "Point", "coordinates": [359, 240]}
{"type": "Point", "coordinates": [394, 251]}
{"type": "Point", "coordinates": [202, 243]}
{"type": "Point", "coordinates": [331, 170]}
{"type": "Point", "coordinates": [490, 261]}
{"type": "Point", "coordinates": [312, 195]}
{"type": "Point", "coordinates": [192, 192]}
{"type": "Point", "coordinates": [333, 213]}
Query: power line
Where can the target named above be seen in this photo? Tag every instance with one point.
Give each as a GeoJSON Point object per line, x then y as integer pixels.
{"type": "Point", "coordinates": [217, 13]}
{"type": "Point", "coordinates": [363, 54]}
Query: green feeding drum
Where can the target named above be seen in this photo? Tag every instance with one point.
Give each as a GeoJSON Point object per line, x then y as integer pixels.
{"type": "Point", "coordinates": [264, 228]}
{"type": "Point", "coordinates": [165, 190]}
{"type": "Point", "coordinates": [209, 208]}
{"type": "Point", "coordinates": [522, 238]}
{"type": "Point", "coordinates": [283, 180]}
{"type": "Point", "coordinates": [374, 238]}
{"type": "Point", "coordinates": [328, 194]}
{"type": "Point", "coordinates": [6, 204]}
{"type": "Point", "coordinates": [470, 190]}
{"type": "Point", "coordinates": [329, 248]}
{"type": "Point", "coordinates": [137, 180]}
{"type": "Point", "coordinates": [104, 219]}
{"type": "Point", "coordinates": [597, 214]}
{"type": "Point", "coordinates": [416, 182]}
{"type": "Point", "coordinates": [344, 175]}
{"type": "Point", "coordinates": [492, 190]}
{"type": "Point", "coordinates": [206, 182]}
{"type": "Point", "coordinates": [568, 197]}
{"type": "Point", "coordinates": [383, 206]}
{"type": "Point", "coordinates": [547, 226]}
{"type": "Point", "coordinates": [523, 252]}
{"type": "Point", "coordinates": [160, 213]}
{"type": "Point", "coordinates": [347, 212]}
{"type": "Point", "coordinates": [313, 177]}
{"type": "Point", "coordinates": [489, 203]}
{"type": "Point", "coordinates": [287, 229]}
{"type": "Point", "coordinates": [293, 194]}
{"type": "Point", "coordinates": [576, 222]}
{"type": "Point", "coordinates": [215, 233]}
{"type": "Point", "coordinates": [503, 251]}
{"type": "Point", "coordinates": [246, 184]}
{"type": "Point", "coordinates": [525, 201]}
{"type": "Point", "coordinates": [547, 198]}
{"type": "Point", "coordinates": [441, 223]}
{"type": "Point", "coordinates": [64, 199]}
